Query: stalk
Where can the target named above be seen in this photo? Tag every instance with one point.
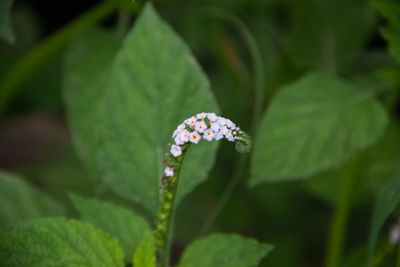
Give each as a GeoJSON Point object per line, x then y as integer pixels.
{"type": "Point", "coordinates": [124, 19]}
{"type": "Point", "coordinates": [223, 199]}
{"type": "Point", "coordinates": [398, 255]}
{"type": "Point", "coordinates": [256, 60]}
{"type": "Point", "coordinates": [381, 255]}
{"type": "Point", "coordinates": [258, 101]}
{"type": "Point", "coordinates": [27, 65]}
{"type": "Point", "coordinates": [339, 222]}
{"type": "Point", "coordinates": [164, 223]}
{"type": "Point", "coordinates": [328, 53]}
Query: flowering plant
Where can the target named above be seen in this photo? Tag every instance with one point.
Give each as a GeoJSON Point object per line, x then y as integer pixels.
{"type": "Point", "coordinates": [126, 91]}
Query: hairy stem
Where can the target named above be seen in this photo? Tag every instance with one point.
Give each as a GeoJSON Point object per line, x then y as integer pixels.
{"type": "Point", "coordinates": [165, 217]}
{"type": "Point", "coordinates": [27, 65]}
{"type": "Point", "coordinates": [340, 217]}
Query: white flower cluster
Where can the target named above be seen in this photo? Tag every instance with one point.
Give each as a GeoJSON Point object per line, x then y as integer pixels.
{"type": "Point", "coordinates": [206, 126]}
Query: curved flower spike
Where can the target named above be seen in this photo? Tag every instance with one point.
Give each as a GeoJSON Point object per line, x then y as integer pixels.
{"type": "Point", "coordinates": [210, 127]}
{"type": "Point", "coordinates": [207, 126]}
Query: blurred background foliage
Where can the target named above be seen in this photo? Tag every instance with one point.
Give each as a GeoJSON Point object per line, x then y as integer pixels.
{"type": "Point", "coordinates": [294, 37]}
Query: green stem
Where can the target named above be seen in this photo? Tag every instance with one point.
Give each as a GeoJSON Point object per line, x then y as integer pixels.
{"type": "Point", "coordinates": [258, 68]}
{"type": "Point", "coordinates": [124, 18]}
{"type": "Point", "coordinates": [381, 255]}
{"type": "Point", "coordinates": [165, 218]}
{"type": "Point", "coordinates": [26, 66]}
{"type": "Point", "coordinates": [398, 255]}
{"type": "Point", "coordinates": [329, 55]}
{"type": "Point", "coordinates": [340, 218]}
{"type": "Point", "coordinates": [256, 58]}
{"type": "Point", "coordinates": [240, 167]}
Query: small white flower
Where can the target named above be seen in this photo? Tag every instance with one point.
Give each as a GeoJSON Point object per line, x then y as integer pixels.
{"type": "Point", "coordinates": [212, 116]}
{"type": "Point", "coordinates": [200, 126]}
{"type": "Point", "coordinates": [176, 150]}
{"type": "Point", "coordinates": [195, 137]}
{"type": "Point", "coordinates": [229, 136]}
{"type": "Point", "coordinates": [201, 116]}
{"type": "Point", "coordinates": [229, 123]}
{"type": "Point", "coordinates": [181, 127]}
{"type": "Point", "coordinates": [221, 121]}
{"type": "Point", "coordinates": [208, 135]}
{"type": "Point", "coordinates": [185, 135]}
{"type": "Point", "coordinates": [224, 130]}
{"type": "Point", "coordinates": [179, 140]}
{"type": "Point", "coordinates": [176, 132]}
{"type": "Point", "coordinates": [215, 126]}
{"type": "Point", "coordinates": [169, 171]}
{"type": "Point", "coordinates": [191, 121]}
{"type": "Point", "coordinates": [218, 136]}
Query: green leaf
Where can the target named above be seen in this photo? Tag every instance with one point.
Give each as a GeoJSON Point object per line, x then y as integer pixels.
{"type": "Point", "coordinates": [224, 250]}
{"type": "Point", "coordinates": [86, 73]}
{"type": "Point", "coordinates": [383, 159]}
{"type": "Point", "coordinates": [379, 163]}
{"type": "Point", "coordinates": [315, 124]}
{"type": "Point", "coordinates": [392, 34]}
{"type": "Point", "coordinates": [20, 201]}
{"type": "Point", "coordinates": [117, 221]}
{"type": "Point", "coordinates": [62, 174]}
{"type": "Point", "coordinates": [391, 10]}
{"type": "Point", "coordinates": [387, 201]}
{"type": "Point", "coordinates": [325, 32]}
{"type": "Point", "coordinates": [5, 25]}
{"type": "Point", "coordinates": [145, 255]}
{"type": "Point", "coordinates": [58, 242]}
{"type": "Point", "coordinates": [155, 84]}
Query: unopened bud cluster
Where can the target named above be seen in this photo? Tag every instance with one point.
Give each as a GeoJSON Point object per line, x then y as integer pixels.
{"type": "Point", "coordinates": [207, 126]}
